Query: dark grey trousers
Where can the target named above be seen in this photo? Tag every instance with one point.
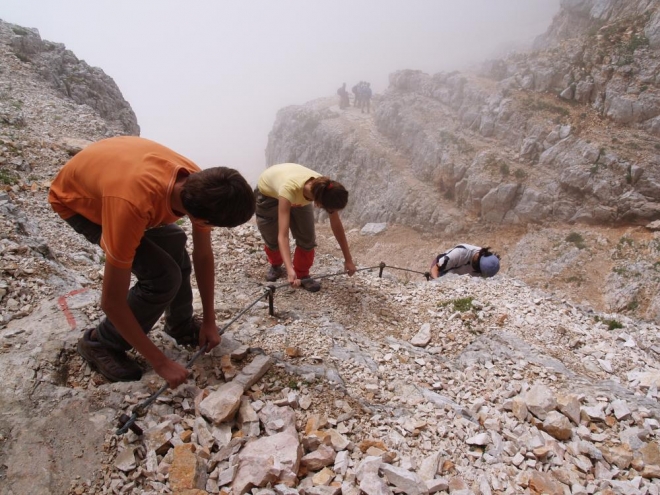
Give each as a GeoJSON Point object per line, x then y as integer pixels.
{"type": "Point", "coordinates": [301, 223]}
{"type": "Point", "coordinates": [162, 268]}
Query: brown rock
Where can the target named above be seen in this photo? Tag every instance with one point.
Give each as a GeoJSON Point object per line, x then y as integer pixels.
{"type": "Point", "coordinates": [519, 409]}
{"type": "Point", "coordinates": [365, 444]}
{"type": "Point", "coordinates": [545, 484]}
{"type": "Point", "coordinates": [651, 454]}
{"type": "Point", "coordinates": [542, 452]}
{"type": "Point", "coordinates": [221, 405]}
{"type": "Point", "coordinates": [323, 477]}
{"type": "Point", "coordinates": [228, 369]}
{"type": "Point", "coordinates": [569, 405]}
{"type": "Point", "coordinates": [186, 471]}
{"type": "Point", "coordinates": [610, 421]}
{"type": "Point", "coordinates": [650, 472]}
{"type": "Point", "coordinates": [314, 423]}
{"type": "Point", "coordinates": [619, 455]}
{"type": "Point", "coordinates": [321, 457]}
{"type": "Point", "coordinates": [557, 425]}
{"type": "Point", "coordinates": [457, 483]}
{"type": "Point", "coordinates": [293, 352]}
{"type": "Point", "coordinates": [374, 452]}
{"type": "Point", "coordinates": [446, 466]}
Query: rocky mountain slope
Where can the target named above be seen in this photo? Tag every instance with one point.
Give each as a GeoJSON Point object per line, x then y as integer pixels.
{"type": "Point", "coordinates": [373, 385]}
{"type": "Point", "coordinates": [563, 136]}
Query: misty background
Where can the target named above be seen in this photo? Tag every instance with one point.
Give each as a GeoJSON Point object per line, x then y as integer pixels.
{"type": "Point", "coordinates": [206, 77]}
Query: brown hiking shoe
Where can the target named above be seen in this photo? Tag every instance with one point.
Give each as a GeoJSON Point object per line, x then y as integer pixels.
{"type": "Point", "coordinates": [186, 335]}
{"type": "Point", "coordinates": [275, 272]}
{"type": "Point", "coordinates": [308, 283]}
{"type": "Point", "coordinates": [116, 366]}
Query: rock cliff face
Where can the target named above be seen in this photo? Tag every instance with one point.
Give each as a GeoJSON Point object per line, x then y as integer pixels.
{"type": "Point", "coordinates": [568, 132]}
{"type": "Point", "coordinates": [71, 77]}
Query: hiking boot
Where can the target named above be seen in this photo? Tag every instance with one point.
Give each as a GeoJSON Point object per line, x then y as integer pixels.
{"type": "Point", "coordinates": [308, 283]}
{"type": "Point", "coordinates": [274, 272]}
{"type": "Point", "coordinates": [116, 366]}
{"type": "Point", "coordinates": [186, 335]}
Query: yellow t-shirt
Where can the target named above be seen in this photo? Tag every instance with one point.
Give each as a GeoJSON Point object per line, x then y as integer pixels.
{"type": "Point", "coordinates": [286, 180]}
{"type": "Point", "coordinates": [124, 185]}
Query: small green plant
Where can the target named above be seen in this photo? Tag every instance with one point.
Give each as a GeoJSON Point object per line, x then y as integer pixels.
{"type": "Point", "coordinates": [293, 384]}
{"type": "Point", "coordinates": [180, 221]}
{"type": "Point", "coordinates": [520, 174]}
{"type": "Point", "coordinates": [19, 30]}
{"type": "Point", "coordinates": [611, 324]}
{"type": "Point", "coordinates": [632, 305]}
{"type": "Point", "coordinates": [628, 177]}
{"type": "Point", "coordinates": [102, 259]}
{"type": "Point", "coordinates": [540, 105]}
{"type": "Point", "coordinates": [462, 305]}
{"type": "Point", "coordinates": [575, 279]}
{"type": "Point", "coordinates": [625, 60]}
{"type": "Point", "coordinates": [657, 146]}
{"type": "Point", "coordinates": [576, 239]}
{"type": "Point", "coordinates": [594, 169]}
{"type": "Point", "coordinates": [626, 241]}
{"type": "Point", "coordinates": [620, 270]}
{"type": "Point", "coordinates": [504, 169]}
{"type": "Point", "coordinates": [8, 178]}
{"type": "Point", "coordinates": [637, 41]}
{"type": "Point", "coordinates": [643, 88]}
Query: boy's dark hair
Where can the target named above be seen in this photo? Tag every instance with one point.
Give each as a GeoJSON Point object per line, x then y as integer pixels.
{"type": "Point", "coordinates": [219, 195]}
{"type": "Point", "coordinates": [329, 193]}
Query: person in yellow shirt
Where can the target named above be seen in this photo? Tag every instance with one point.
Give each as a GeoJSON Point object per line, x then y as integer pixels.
{"type": "Point", "coordinates": [285, 194]}
{"type": "Point", "coordinates": [125, 194]}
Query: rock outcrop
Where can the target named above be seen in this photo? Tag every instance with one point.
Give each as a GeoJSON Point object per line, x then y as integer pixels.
{"type": "Point", "coordinates": [568, 132]}
{"type": "Point", "coordinates": [71, 77]}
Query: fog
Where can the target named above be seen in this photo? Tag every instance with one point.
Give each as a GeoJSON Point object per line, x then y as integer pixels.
{"type": "Point", "coordinates": [206, 77]}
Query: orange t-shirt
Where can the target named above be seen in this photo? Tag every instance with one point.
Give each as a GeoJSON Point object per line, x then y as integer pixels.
{"type": "Point", "coordinates": [123, 184]}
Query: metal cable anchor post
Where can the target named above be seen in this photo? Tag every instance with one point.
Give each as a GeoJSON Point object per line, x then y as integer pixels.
{"type": "Point", "coordinates": [271, 294]}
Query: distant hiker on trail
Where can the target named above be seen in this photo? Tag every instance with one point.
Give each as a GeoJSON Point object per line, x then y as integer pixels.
{"type": "Point", "coordinates": [125, 194]}
{"type": "Point", "coordinates": [343, 97]}
{"type": "Point", "coordinates": [285, 194]}
{"type": "Point", "coordinates": [356, 99]}
{"type": "Point", "coordinates": [365, 97]}
{"type": "Point", "coordinates": [466, 259]}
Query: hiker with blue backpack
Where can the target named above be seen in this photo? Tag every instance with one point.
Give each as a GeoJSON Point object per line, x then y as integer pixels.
{"type": "Point", "coordinates": [466, 259]}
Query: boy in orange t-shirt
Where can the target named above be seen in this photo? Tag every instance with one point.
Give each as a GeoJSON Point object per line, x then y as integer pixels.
{"type": "Point", "coordinates": [125, 193]}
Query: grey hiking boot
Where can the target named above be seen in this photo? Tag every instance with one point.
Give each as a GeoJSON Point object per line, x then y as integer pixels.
{"type": "Point", "coordinates": [116, 366]}
{"type": "Point", "coordinates": [186, 335]}
{"type": "Point", "coordinates": [308, 283]}
{"type": "Point", "coordinates": [275, 272]}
